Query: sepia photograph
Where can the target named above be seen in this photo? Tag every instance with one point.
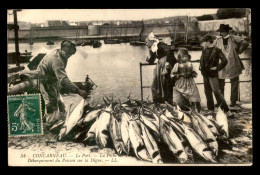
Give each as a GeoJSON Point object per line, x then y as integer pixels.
{"type": "Point", "coordinates": [129, 87]}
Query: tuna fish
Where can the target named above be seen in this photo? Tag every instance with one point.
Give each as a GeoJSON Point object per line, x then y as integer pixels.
{"type": "Point", "coordinates": [137, 141]}
{"type": "Point", "coordinates": [173, 141]}
{"type": "Point", "coordinates": [152, 114]}
{"type": "Point", "coordinates": [102, 132]}
{"type": "Point", "coordinates": [177, 129]}
{"type": "Point", "coordinates": [151, 124]}
{"type": "Point", "coordinates": [205, 133]}
{"type": "Point", "coordinates": [72, 119]}
{"type": "Point", "coordinates": [91, 116]}
{"type": "Point", "coordinates": [90, 137]}
{"type": "Point", "coordinates": [176, 112]}
{"type": "Point", "coordinates": [124, 126]}
{"type": "Point", "coordinates": [168, 114]}
{"type": "Point", "coordinates": [151, 145]}
{"type": "Point", "coordinates": [173, 123]}
{"type": "Point", "coordinates": [116, 136]}
{"type": "Point", "coordinates": [57, 126]}
{"type": "Point", "coordinates": [198, 145]}
{"type": "Point", "coordinates": [80, 135]}
{"type": "Point", "coordinates": [210, 124]}
{"type": "Point", "coordinates": [180, 113]}
{"type": "Point", "coordinates": [219, 128]}
{"type": "Point", "coordinates": [222, 121]}
{"type": "Point", "coordinates": [183, 116]}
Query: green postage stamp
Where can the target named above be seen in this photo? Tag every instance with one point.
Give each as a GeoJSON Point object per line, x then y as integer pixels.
{"type": "Point", "coordinates": [24, 115]}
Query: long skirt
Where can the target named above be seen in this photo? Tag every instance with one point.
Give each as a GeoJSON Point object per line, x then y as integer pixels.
{"type": "Point", "coordinates": [185, 90]}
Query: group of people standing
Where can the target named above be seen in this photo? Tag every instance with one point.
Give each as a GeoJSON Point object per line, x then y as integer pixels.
{"type": "Point", "coordinates": [174, 78]}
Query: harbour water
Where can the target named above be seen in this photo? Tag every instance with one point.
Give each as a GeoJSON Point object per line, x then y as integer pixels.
{"type": "Point", "coordinates": [115, 69]}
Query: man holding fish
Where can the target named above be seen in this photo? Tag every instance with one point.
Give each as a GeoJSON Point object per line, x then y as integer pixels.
{"type": "Point", "coordinates": [53, 76]}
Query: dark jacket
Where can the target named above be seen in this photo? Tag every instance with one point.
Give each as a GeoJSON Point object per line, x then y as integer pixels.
{"type": "Point", "coordinates": [212, 61]}
{"type": "Point", "coordinates": [162, 86]}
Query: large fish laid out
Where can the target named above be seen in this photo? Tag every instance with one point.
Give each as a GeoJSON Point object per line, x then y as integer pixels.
{"type": "Point", "coordinates": [153, 113]}
{"type": "Point", "coordinates": [115, 132]}
{"type": "Point", "coordinates": [205, 133]}
{"type": "Point", "coordinates": [102, 130]}
{"type": "Point", "coordinates": [91, 116]}
{"type": "Point", "coordinates": [222, 121]}
{"type": "Point", "coordinates": [172, 121]}
{"type": "Point", "coordinates": [143, 129]}
{"type": "Point", "coordinates": [84, 124]}
{"type": "Point", "coordinates": [176, 112]}
{"type": "Point", "coordinates": [151, 145]}
{"type": "Point", "coordinates": [72, 119]}
{"type": "Point", "coordinates": [199, 145]}
{"type": "Point", "coordinates": [210, 124]}
{"type": "Point", "coordinates": [90, 138]}
{"type": "Point", "coordinates": [151, 123]}
{"type": "Point", "coordinates": [173, 141]}
{"type": "Point", "coordinates": [124, 127]}
{"type": "Point", "coordinates": [137, 143]}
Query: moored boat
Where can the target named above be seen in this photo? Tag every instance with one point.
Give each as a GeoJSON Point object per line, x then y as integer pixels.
{"type": "Point", "coordinates": [111, 41]}
{"type": "Point", "coordinates": [97, 44]}
{"type": "Point", "coordinates": [50, 43]}
{"type": "Point", "coordinates": [137, 43]}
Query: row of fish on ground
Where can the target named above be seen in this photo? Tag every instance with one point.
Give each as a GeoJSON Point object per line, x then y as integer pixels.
{"type": "Point", "coordinates": [159, 133]}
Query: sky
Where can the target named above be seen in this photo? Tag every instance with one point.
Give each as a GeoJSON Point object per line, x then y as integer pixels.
{"type": "Point", "coordinates": [73, 15]}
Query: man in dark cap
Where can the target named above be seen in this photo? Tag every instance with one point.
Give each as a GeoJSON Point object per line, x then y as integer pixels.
{"type": "Point", "coordinates": [53, 76]}
{"type": "Point", "coordinates": [212, 60]}
{"type": "Point", "coordinates": [231, 46]}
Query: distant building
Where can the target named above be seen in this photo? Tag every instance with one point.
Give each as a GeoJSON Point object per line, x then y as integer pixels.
{"type": "Point", "coordinates": [55, 23]}
{"type": "Point", "coordinates": [84, 23]}
{"type": "Point", "coordinates": [73, 24]}
{"type": "Point", "coordinates": [97, 23]}
{"type": "Point", "coordinates": [137, 23]}
{"type": "Point", "coordinates": [23, 25]}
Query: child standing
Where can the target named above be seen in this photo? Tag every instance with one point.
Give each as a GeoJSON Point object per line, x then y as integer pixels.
{"type": "Point", "coordinates": [209, 67]}
{"type": "Point", "coordinates": [185, 87]}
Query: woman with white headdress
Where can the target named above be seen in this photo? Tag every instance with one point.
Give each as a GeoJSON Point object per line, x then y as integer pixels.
{"type": "Point", "coordinates": [162, 83]}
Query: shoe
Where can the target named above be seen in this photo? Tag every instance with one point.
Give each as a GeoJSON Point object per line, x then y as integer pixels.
{"type": "Point", "coordinates": [230, 114]}
{"type": "Point", "coordinates": [217, 105]}
{"type": "Point", "coordinates": [232, 104]}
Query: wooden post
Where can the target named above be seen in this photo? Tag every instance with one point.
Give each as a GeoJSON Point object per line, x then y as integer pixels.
{"type": "Point", "coordinates": [16, 39]}
{"type": "Point", "coordinates": [238, 91]}
{"type": "Point", "coordinates": [175, 31]}
{"type": "Point", "coordinates": [247, 22]}
{"type": "Point", "coordinates": [141, 81]}
{"type": "Point", "coordinates": [186, 32]}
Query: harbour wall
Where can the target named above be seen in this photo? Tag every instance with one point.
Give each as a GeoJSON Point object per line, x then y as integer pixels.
{"type": "Point", "coordinates": [118, 31]}
{"type": "Point", "coordinates": [99, 32]}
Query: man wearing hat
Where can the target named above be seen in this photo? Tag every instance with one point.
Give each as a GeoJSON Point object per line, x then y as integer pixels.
{"type": "Point", "coordinates": [211, 62]}
{"type": "Point", "coordinates": [162, 86]}
{"type": "Point", "coordinates": [231, 46]}
{"type": "Point", "coordinates": [53, 76]}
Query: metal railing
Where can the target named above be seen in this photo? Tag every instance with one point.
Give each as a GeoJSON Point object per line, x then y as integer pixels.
{"type": "Point", "coordinates": [194, 61]}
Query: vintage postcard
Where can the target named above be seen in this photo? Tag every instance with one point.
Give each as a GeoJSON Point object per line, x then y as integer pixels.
{"type": "Point", "coordinates": [129, 87]}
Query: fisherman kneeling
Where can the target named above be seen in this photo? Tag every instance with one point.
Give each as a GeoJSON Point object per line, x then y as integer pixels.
{"type": "Point", "coordinates": [53, 76]}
